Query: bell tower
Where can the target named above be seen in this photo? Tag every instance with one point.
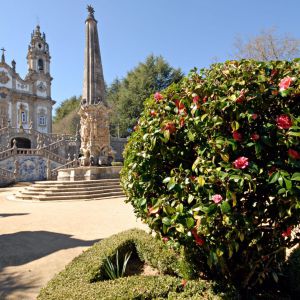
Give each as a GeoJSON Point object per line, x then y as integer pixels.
{"type": "Point", "coordinates": [38, 56]}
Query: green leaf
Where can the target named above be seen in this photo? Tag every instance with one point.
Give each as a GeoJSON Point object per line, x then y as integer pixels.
{"type": "Point", "coordinates": [171, 185]}
{"type": "Point", "coordinates": [179, 208]}
{"type": "Point", "coordinates": [190, 222]}
{"type": "Point", "coordinates": [180, 228]}
{"type": "Point", "coordinates": [288, 183]}
{"type": "Point", "coordinates": [191, 136]}
{"type": "Point", "coordinates": [166, 221]}
{"type": "Point", "coordinates": [167, 179]}
{"type": "Point", "coordinates": [201, 181]}
{"type": "Point", "coordinates": [166, 135]}
{"type": "Point", "coordinates": [190, 198]}
{"type": "Point", "coordinates": [275, 277]}
{"type": "Point", "coordinates": [225, 207]}
{"type": "Point", "coordinates": [274, 177]}
{"type": "Point", "coordinates": [235, 125]}
{"type": "Point", "coordinates": [294, 133]}
{"type": "Point", "coordinates": [203, 117]}
{"type": "Point", "coordinates": [296, 177]}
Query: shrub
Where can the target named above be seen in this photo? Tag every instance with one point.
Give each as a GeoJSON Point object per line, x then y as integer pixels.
{"type": "Point", "coordinates": [214, 165]}
{"type": "Point", "coordinates": [84, 278]}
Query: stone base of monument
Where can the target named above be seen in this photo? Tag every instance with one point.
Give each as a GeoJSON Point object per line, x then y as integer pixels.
{"type": "Point", "coordinates": [88, 173]}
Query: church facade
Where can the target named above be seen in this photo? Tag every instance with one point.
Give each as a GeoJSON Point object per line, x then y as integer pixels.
{"type": "Point", "coordinates": [27, 103]}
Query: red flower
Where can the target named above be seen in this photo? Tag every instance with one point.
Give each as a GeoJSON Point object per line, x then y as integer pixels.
{"type": "Point", "coordinates": [287, 233]}
{"type": "Point", "coordinates": [254, 116]}
{"type": "Point", "coordinates": [255, 137]}
{"type": "Point", "coordinates": [205, 99]}
{"type": "Point", "coordinates": [158, 96]}
{"type": "Point", "coordinates": [180, 106]}
{"type": "Point", "coordinates": [284, 122]}
{"type": "Point", "coordinates": [170, 127]}
{"type": "Point", "coordinates": [241, 97]}
{"type": "Point", "coordinates": [272, 170]}
{"type": "Point", "coordinates": [293, 154]}
{"type": "Point", "coordinates": [274, 73]}
{"type": "Point", "coordinates": [153, 113]}
{"type": "Point", "coordinates": [181, 122]}
{"type": "Point", "coordinates": [199, 241]}
{"type": "Point", "coordinates": [237, 136]}
{"type": "Point", "coordinates": [196, 99]}
{"type": "Point", "coordinates": [285, 83]}
{"type": "Point", "coordinates": [217, 198]}
{"type": "Point", "coordinates": [241, 163]}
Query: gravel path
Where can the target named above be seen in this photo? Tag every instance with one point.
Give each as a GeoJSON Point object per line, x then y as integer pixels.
{"type": "Point", "coordinates": [37, 239]}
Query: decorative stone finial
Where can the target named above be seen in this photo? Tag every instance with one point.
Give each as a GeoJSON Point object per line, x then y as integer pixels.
{"type": "Point", "coordinates": [13, 64]}
{"type": "Point", "coordinates": [3, 55]}
{"type": "Point", "coordinates": [90, 10]}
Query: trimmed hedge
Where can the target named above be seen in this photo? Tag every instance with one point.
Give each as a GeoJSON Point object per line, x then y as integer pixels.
{"type": "Point", "coordinates": [81, 279]}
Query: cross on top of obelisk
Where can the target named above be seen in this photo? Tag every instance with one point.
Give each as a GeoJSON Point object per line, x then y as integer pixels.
{"type": "Point", "coordinates": [90, 10]}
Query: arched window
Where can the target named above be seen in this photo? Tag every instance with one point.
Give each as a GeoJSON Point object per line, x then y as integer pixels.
{"type": "Point", "coordinates": [40, 65]}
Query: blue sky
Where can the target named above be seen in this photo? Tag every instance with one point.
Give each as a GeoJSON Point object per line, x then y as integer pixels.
{"type": "Point", "coordinates": [187, 33]}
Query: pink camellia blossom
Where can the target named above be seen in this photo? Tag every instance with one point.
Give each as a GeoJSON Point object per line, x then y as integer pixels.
{"type": "Point", "coordinates": [237, 136]}
{"type": "Point", "coordinates": [287, 233]}
{"type": "Point", "coordinates": [165, 239]}
{"type": "Point", "coordinates": [241, 163]}
{"type": "Point", "coordinates": [217, 198]}
{"type": "Point", "coordinates": [293, 154]}
{"type": "Point", "coordinates": [158, 96]}
{"type": "Point", "coordinates": [196, 99]}
{"type": "Point", "coordinates": [180, 106]}
{"type": "Point", "coordinates": [205, 99]}
{"type": "Point", "coordinates": [284, 122]}
{"type": "Point", "coordinates": [285, 83]}
{"type": "Point", "coordinates": [254, 116]}
{"type": "Point", "coordinates": [255, 137]}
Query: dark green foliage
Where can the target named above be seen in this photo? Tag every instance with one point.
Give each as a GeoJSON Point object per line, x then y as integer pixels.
{"type": "Point", "coordinates": [214, 165]}
{"type": "Point", "coordinates": [126, 96]}
{"type": "Point", "coordinates": [66, 107]}
{"type": "Point", "coordinates": [293, 273]}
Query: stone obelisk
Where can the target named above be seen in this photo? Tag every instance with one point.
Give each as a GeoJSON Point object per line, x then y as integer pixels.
{"type": "Point", "coordinates": [94, 120]}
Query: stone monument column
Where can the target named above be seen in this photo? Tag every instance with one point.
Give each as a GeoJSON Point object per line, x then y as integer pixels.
{"type": "Point", "coordinates": [94, 120]}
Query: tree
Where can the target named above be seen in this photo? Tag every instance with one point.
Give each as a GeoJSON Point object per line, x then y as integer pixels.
{"type": "Point", "coordinates": [126, 96]}
{"type": "Point", "coordinates": [268, 45]}
{"type": "Point", "coordinates": [66, 119]}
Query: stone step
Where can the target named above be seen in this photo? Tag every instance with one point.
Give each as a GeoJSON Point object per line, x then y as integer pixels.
{"type": "Point", "coordinates": [71, 193]}
{"type": "Point", "coordinates": [71, 188]}
{"type": "Point", "coordinates": [70, 197]}
{"type": "Point", "coordinates": [89, 183]}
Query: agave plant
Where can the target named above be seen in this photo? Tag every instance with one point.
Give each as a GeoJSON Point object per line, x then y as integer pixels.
{"type": "Point", "coordinates": [113, 271]}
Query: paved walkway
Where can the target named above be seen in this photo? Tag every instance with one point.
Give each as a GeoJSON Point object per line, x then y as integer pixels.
{"type": "Point", "coordinates": [37, 239]}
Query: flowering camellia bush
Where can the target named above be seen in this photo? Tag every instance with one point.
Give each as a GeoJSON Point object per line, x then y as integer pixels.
{"type": "Point", "coordinates": [214, 165]}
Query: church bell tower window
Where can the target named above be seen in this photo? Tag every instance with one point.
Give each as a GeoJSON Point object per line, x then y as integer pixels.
{"type": "Point", "coordinates": [40, 64]}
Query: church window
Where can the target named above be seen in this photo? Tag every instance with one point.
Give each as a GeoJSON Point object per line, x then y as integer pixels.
{"type": "Point", "coordinates": [40, 65]}
{"type": "Point", "coordinates": [42, 120]}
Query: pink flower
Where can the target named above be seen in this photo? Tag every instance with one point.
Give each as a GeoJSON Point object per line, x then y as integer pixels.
{"type": "Point", "coordinates": [293, 154]}
{"type": "Point", "coordinates": [237, 136]}
{"type": "Point", "coordinates": [196, 99]}
{"type": "Point", "coordinates": [165, 239]}
{"type": "Point", "coordinates": [241, 163]}
{"type": "Point", "coordinates": [205, 99]}
{"type": "Point", "coordinates": [255, 137]}
{"type": "Point", "coordinates": [170, 127]}
{"type": "Point", "coordinates": [181, 122]}
{"type": "Point", "coordinates": [153, 113]}
{"type": "Point", "coordinates": [217, 198]}
{"type": "Point", "coordinates": [183, 282]}
{"type": "Point", "coordinates": [254, 116]}
{"type": "Point", "coordinates": [180, 106]}
{"type": "Point", "coordinates": [287, 233]}
{"type": "Point", "coordinates": [158, 96]}
{"type": "Point", "coordinates": [285, 83]}
{"type": "Point", "coordinates": [284, 122]}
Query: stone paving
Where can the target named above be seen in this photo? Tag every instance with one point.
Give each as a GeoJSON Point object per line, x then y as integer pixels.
{"type": "Point", "coordinates": [37, 239]}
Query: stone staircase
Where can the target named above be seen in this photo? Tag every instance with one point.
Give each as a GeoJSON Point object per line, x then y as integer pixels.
{"type": "Point", "coordinates": [72, 190]}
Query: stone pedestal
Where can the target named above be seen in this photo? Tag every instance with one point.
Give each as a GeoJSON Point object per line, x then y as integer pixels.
{"type": "Point", "coordinates": [88, 173]}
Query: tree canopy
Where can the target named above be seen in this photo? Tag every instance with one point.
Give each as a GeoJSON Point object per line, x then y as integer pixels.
{"type": "Point", "coordinates": [126, 96]}
{"type": "Point", "coordinates": [268, 45]}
